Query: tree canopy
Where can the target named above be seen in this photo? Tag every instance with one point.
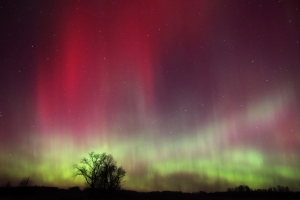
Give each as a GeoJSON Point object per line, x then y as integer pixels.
{"type": "Point", "coordinates": [100, 171]}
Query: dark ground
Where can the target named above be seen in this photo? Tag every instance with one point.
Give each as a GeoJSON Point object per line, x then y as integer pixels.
{"type": "Point", "coordinates": [47, 193]}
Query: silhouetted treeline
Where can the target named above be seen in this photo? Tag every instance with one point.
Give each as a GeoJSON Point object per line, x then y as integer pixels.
{"type": "Point", "coordinates": [245, 188]}
{"type": "Point", "coordinates": [76, 193]}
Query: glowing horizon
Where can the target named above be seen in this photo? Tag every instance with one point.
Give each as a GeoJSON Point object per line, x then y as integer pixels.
{"type": "Point", "coordinates": [186, 96]}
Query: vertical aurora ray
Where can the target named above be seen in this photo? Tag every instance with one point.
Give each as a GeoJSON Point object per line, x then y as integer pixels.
{"type": "Point", "coordinates": [187, 96]}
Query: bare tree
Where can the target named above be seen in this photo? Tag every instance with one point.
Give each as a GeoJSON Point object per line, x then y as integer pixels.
{"type": "Point", "coordinates": [101, 171]}
{"type": "Point", "coordinates": [111, 175]}
{"type": "Point", "coordinates": [25, 182]}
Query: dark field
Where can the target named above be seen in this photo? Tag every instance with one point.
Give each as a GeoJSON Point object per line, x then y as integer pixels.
{"type": "Point", "coordinates": [47, 193]}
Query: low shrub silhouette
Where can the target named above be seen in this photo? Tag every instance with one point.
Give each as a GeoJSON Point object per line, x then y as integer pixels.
{"type": "Point", "coordinates": [25, 182]}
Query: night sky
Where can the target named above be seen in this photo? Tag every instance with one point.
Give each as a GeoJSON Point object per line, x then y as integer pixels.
{"type": "Point", "coordinates": [186, 95]}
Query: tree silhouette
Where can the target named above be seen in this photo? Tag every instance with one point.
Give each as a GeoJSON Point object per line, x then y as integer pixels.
{"type": "Point", "coordinates": [241, 188]}
{"type": "Point", "coordinates": [100, 171]}
{"type": "Point", "coordinates": [25, 182]}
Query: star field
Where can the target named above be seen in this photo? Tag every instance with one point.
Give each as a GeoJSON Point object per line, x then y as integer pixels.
{"type": "Point", "coordinates": [186, 95]}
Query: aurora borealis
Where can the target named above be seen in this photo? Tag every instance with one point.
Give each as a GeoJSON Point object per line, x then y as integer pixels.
{"type": "Point", "coordinates": [186, 95]}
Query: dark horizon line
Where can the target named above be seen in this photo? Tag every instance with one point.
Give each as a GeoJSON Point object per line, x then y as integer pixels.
{"type": "Point", "coordinates": [274, 189]}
